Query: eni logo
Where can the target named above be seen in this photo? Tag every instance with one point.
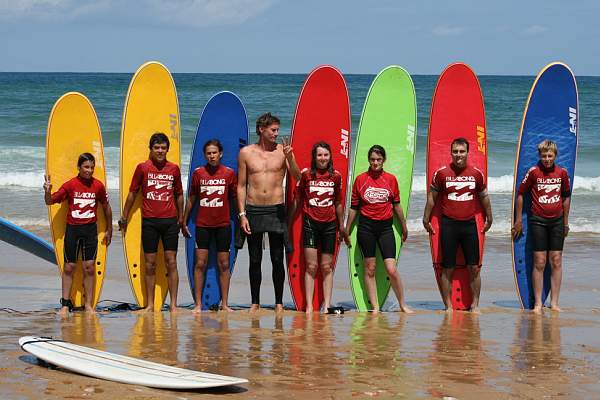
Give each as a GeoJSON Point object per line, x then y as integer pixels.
{"type": "Point", "coordinates": [481, 139]}
{"type": "Point", "coordinates": [573, 120]}
{"type": "Point", "coordinates": [344, 143]}
{"type": "Point", "coordinates": [173, 125]}
{"type": "Point", "coordinates": [410, 138]}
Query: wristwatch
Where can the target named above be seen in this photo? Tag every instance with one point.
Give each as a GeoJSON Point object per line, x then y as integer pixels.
{"type": "Point", "coordinates": [242, 214]}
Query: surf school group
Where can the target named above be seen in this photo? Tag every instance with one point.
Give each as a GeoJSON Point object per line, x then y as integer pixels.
{"type": "Point", "coordinates": [295, 191]}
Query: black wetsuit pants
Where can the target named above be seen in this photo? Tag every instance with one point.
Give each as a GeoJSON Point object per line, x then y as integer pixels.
{"type": "Point", "coordinates": [255, 251]}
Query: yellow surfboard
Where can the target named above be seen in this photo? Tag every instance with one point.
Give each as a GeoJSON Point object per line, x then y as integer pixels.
{"type": "Point", "coordinates": [151, 106]}
{"type": "Point", "coordinates": [73, 129]}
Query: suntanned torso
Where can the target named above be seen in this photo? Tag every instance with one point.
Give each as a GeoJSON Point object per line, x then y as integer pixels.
{"type": "Point", "coordinates": [265, 170]}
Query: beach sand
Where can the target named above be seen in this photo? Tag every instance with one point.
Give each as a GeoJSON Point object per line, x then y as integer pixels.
{"type": "Point", "coordinates": [503, 353]}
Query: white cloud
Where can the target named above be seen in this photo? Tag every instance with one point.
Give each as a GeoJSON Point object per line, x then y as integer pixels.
{"type": "Point", "coordinates": [193, 13]}
{"type": "Point", "coordinates": [446, 30]}
{"type": "Point", "coordinates": [535, 30]}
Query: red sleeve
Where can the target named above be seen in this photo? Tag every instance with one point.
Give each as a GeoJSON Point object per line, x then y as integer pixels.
{"type": "Point", "coordinates": [61, 194]}
{"type": "Point", "coordinates": [395, 190]}
{"type": "Point", "coordinates": [195, 185]}
{"type": "Point", "coordinates": [102, 193]}
{"type": "Point", "coordinates": [233, 185]}
{"type": "Point", "coordinates": [178, 186]}
{"type": "Point", "coordinates": [566, 184]}
{"type": "Point", "coordinates": [435, 181]}
{"type": "Point", "coordinates": [137, 179]}
{"type": "Point", "coordinates": [355, 199]}
{"type": "Point", "coordinates": [527, 181]}
{"type": "Point", "coordinates": [338, 188]}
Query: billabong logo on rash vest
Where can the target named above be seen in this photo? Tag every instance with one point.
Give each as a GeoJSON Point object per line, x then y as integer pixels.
{"type": "Point", "coordinates": [89, 200]}
{"type": "Point", "coordinates": [376, 195]}
{"type": "Point", "coordinates": [573, 120]}
{"type": "Point", "coordinates": [320, 189]}
{"type": "Point", "coordinates": [344, 143]}
{"type": "Point", "coordinates": [465, 182]}
{"type": "Point", "coordinates": [481, 139]}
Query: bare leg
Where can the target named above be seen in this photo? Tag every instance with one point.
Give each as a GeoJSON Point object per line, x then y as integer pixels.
{"type": "Point", "coordinates": [171, 263]}
{"type": "Point", "coordinates": [446, 283]}
{"type": "Point", "coordinates": [327, 271]}
{"type": "Point", "coordinates": [224, 278]}
{"type": "Point", "coordinates": [150, 278]}
{"type": "Point", "coordinates": [390, 267]}
{"type": "Point", "coordinates": [199, 271]}
{"type": "Point", "coordinates": [67, 283]}
{"type": "Point", "coordinates": [537, 276]}
{"type": "Point", "coordinates": [556, 278]}
{"type": "Point", "coordinates": [370, 264]}
{"type": "Point", "coordinates": [475, 287]}
{"type": "Point", "coordinates": [89, 283]}
{"type": "Point", "coordinates": [311, 258]}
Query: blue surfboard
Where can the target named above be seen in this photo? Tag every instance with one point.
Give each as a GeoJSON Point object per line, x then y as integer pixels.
{"type": "Point", "coordinates": [25, 240]}
{"type": "Point", "coordinates": [223, 118]}
{"type": "Point", "coordinates": [551, 113]}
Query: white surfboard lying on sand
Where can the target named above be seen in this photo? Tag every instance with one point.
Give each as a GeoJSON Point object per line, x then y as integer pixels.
{"type": "Point", "coordinates": [114, 367]}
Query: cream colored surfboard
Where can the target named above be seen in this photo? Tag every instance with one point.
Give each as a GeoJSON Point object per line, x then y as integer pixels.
{"type": "Point", "coordinates": [73, 129]}
{"type": "Point", "coordinates": [151, 106]}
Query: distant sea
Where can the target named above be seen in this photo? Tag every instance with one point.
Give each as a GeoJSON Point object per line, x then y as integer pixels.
{"type": "Point", "coordinates": [27, 98]}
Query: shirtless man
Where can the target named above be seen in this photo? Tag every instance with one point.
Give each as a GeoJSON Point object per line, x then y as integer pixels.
{"type": "Point", "coordinates": [261, 169]}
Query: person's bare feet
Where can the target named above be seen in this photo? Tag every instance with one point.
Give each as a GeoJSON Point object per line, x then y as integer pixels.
{"type": "Point", "coordinates": [449, 310]}
{"type": "Point", "coordinates": [278, 308]}
{"type": "Point", "coordinates": [226, 308]}
{"type": "Point", "coordinates": [375, 311]}
{"type": "Point", "coordinates": [90, 310]}
{"type": "Point", "coordinates": [475, 310]}
{"type": "Point", "coordinates": [144, 310]}
{"type": "Point", "coordinates": [555, 307]}
{"type": "Point", "coordinates": [174, 309]}
{"type": "Point", "coordinates": [309, 310]}
{"type": "Point", "coordinates": [404, 308]}
{"type": "Point", "coordinates": [63, 312]}
{"type": "Point", "coordinates": [197, 309]}
{"type": "Point", "coordinates": [254, 308]}
{"type": "Point", "coordinates": [537, 309]}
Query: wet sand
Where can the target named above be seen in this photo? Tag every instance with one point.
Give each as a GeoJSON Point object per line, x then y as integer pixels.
{"type": "Point", "coordinates": [502, 353]}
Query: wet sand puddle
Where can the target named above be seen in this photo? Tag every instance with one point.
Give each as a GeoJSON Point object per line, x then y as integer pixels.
{"type": "Point", "coordinates": [502, 353]}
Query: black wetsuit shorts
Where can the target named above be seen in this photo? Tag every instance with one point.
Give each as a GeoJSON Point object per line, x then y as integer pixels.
{"type": "Point", "coordinates": [547, 234]}
{"type": "Point", "coordinates": [221, 237]}
{"type": "Point", "coordinates": [81, 238]}
{"type": "Point", "coordinates": [372, 232]}
{"type": "Point", "coordinates": [159, 229]}
{"type": "Point", "coordinates": [454, 233]}
{"type": "Point", "coordinates": [319, 235]}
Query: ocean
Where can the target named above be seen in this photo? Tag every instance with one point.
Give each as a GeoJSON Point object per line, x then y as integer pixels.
{"type": "Point", "coordinates": [27, 98]}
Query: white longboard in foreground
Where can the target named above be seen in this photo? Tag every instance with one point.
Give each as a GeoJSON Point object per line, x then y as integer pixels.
{"type": "Point", "coordinates": [114, 367]}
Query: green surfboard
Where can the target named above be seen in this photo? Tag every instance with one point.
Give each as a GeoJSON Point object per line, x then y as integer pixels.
{"type": "Point", "coordinates": [389, 118]}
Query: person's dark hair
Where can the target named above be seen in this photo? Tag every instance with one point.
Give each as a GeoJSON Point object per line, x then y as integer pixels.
{"type": "Point", "coordinates": [213, 142]}
{"type": "Point", "coordinates": [377, 149]}
{"type": "Point", "coordinates": [159, 138]}
{"type": "Point", "coordinates": [267, 119]}
{"type": "Point", "coordinates": [85, 157]}
{"type": "Point", "coordinates": [460, 140]}
{"type": "Point", "coordinates": [313, 162]}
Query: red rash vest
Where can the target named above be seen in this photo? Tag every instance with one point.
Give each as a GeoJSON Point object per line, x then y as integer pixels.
{"type": "Point", "coordinates": [160, 184]}
{"type": "Point", "coordinates": [82, 195]}
{"type": "Point", "coordinates": [374, 193]}
{"type": "Point", "coordinates": [548, 188]}
{"type": "Point", "coordinates": [459, 190]}
{"type": "Point", "coordinates": [214, 187]}
{"type": "Point", "coordinates": [320, 195]}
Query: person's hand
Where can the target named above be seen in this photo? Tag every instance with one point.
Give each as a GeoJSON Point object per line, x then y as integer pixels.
{"type": "Point", "coordinates": [346, 233]}
{"type": "Point", "coordinates": [122, 224]}
{"type": "Point", "coordinates": [488, 225]}
{"type": "Point", "coordinates": [404, 233]}
{"type": "Point", "coordinates": [288, 151]}
{"type": "Point", "coordinates": [186, 231]}
{"type": "Point", "coordinates": [567, 230]}
{"type": "Point", "coordinates": [517, 229]}
{"type": "Point", "coordinates": [107, 237]}
{"type": "Point", "coordinates": [47, 184]}
{"type": "Point", "coordinates": [428, 227]}
{"type": "Point", "coordinates": [245, 225]}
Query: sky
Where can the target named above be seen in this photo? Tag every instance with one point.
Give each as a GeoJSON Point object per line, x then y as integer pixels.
{"type": "Point", "coordinates": [505, 37]}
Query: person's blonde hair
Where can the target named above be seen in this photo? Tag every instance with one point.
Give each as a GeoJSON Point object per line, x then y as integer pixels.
{"type": "Point", "coordinates": [547, 145]}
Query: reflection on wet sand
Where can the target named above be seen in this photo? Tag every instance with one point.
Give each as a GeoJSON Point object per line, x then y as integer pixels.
{"type": "Point", "coordinates": [458, 359]}
{"type": "Point", "coordinates": [537, 355]}
{"type": "Point", "coordinates": [84, 329]}
{"type": "Point", "coordinates": [209, 343]}
{"type": "Point", "coordinates": [155, 337]}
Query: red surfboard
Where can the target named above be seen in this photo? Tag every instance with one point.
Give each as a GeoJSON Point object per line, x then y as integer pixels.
{"type": "Point", "coordinates": [322, 113]}
{"type": "Point", "coordinates": [457, 110]}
